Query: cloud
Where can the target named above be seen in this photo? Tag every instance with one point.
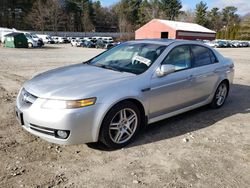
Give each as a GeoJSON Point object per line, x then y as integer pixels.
{"type": "Point", "coordinates": [186, 7]}
{"type": "Point", "coordinates": [242, 5]}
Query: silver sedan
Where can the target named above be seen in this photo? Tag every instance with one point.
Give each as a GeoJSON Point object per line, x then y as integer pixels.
{"type": "Point", "coordinates": [112, 96]}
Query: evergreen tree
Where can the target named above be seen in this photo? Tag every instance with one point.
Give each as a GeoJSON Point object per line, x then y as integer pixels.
{"type": "Point", "coordinates": [149, 10]}
{"type": "Point", "coordinates": [127, 15]}
{"type": "Point", "coordinates": [85, 16]}
{"type": "Point", "coordinates": [215, 20]}
{"type": "Point", "coordinates": [201, 14]}
{"type": "Point", "coordinates": [229, 16]}
{"type": "Point", "coordinates": [170, 8]}
{"type": "Point", "coordinates": [13, 13]}
{"type": "Point", "coordinates": [73, 16]}
{"type": "Point", "coordinates": [127, 12]}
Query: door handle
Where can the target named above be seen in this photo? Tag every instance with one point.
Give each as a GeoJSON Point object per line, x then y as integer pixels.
{"type": "Point", "coordinates": [202, 76]}
{"type": "Point", "coordinates": [216, 71]}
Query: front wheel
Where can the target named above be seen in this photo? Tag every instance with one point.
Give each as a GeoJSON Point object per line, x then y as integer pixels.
{"type": "Point", "coordinates": [121, 125]}
{"type": "Point", "coordinates": [220, 95]}
{"type": "Point", "coordinates": [30, 45]}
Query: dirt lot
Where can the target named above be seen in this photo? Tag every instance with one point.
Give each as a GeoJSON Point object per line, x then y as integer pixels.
{"type": "Point", "coordinates": [202, 148]}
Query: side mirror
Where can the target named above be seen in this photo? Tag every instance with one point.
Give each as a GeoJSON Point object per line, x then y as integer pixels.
{"type": "Point", "coordinates": [164, 70]}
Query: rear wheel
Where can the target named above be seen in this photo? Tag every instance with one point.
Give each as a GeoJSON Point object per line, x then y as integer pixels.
{"type": "Point", "coordinates": [220, 95]}
{"type": "Point", "coordinates": [121, 125]}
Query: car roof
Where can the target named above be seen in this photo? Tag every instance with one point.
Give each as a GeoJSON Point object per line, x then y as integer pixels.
{"type": "Point", "coordinates": [165, 41]}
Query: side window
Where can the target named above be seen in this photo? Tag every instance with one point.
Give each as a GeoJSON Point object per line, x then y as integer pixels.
{"type": "Point", "coordinates": [180, 57]}
{"type": "Point", "coordinates": [213, 57]}
{"type": "Point", "coordinates": [202, 56]}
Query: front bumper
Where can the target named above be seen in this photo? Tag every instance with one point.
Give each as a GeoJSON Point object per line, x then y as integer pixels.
{"type": "Point", "coordinates": [45, 123]}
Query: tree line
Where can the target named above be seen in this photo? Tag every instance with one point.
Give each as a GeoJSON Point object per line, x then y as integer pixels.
{"type": "Point", "coordinates": [124, 16]}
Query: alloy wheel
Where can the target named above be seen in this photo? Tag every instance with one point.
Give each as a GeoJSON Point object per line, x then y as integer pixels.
{"type": "Point", "coordinates": [123, 125]}
{"type": "Point", "coordinates": [221, 94]}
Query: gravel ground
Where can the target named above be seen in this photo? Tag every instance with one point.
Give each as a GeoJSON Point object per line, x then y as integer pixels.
{"type": "Point", "coordinates": [201, 148]}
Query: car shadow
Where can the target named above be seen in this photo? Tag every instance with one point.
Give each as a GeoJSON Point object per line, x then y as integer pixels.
{"type": "Point", "coordinates": [49, 47]}
{"type": "Point", "coordinates": [237, 102]}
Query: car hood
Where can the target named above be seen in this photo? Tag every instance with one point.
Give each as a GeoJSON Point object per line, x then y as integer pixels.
{"type": "Point", "coordinates": [73, 82]}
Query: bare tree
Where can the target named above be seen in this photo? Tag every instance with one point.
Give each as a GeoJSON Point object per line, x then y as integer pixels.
{"type": "Point", "coordinates": [87, 24]}
{"type": "Point", "coordinates": [187, 16]}
{"type": "Point", "coordinates": [124, 24]}
{"type": "Point", "coordinates": [38, 16]}
{"type": "Point", "coordinates": [55, 14]}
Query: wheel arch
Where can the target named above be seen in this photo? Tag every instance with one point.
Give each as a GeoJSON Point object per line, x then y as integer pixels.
{"type": "Point", "coordinates": [136, 101]}
{"type": "Point", "coordinates": [227, 82]}
{"type": "Point", "coordinates": [212, 103]}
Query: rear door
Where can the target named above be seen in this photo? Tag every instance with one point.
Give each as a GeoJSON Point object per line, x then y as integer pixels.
{"type": "Point", "coordinates": [204, 74]}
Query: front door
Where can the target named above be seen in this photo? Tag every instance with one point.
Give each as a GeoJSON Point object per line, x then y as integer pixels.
{"type": "Point", "coordinates": [174, 91]}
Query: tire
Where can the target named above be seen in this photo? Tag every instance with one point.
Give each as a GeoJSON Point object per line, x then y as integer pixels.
{"type": "Point", "coordinates": [30, 45]}
{"type": "Point", "coordinates": [220, 95]}
{"type": "Point", "coordinates": [116, 130]}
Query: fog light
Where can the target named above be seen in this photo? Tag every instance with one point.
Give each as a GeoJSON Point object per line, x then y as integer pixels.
{"type": "Point", "coordinates": [62, 134]}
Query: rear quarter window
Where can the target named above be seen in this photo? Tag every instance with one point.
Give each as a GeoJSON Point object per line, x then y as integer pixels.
{"type": "Point", "coordinates": [213, 57]}
{"type": "Point", "coordinates": [202, 56]}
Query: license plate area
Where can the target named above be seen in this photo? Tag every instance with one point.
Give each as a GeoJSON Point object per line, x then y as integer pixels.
{"type": "Point", "coordinates": [19, 116]}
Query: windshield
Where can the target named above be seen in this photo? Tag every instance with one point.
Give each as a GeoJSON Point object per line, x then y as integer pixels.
{"type": "Point", "coordinates": [34, 35]}
{"type": "Point", "coordinates": [28, 35]}
{"type": "Point", "coordinates": [127, 57]}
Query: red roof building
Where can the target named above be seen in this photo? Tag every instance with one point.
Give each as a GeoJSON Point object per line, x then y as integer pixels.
{"type": "Point", "coordinates": [156, 29]}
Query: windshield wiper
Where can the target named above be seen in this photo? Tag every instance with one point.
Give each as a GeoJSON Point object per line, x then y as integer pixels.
{"type": "Point", "coordinates": [86, 62]}
{"type": "Point", "coordinates": [108, 67]}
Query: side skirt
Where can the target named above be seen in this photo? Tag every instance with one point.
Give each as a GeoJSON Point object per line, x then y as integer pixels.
{"type": "Point", "coordinates": [177, 112]}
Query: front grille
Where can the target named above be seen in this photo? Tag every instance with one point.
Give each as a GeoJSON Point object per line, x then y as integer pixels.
{"type": "Point", "coordinates": [26, 99]}
{"type": "Point", "coordinates": [43, 130]}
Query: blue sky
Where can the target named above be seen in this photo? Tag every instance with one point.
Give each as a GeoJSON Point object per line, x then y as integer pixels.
{"type": "Point", "coordinates": [242, 5]}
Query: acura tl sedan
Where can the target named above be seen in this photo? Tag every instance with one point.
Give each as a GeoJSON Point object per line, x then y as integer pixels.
{"type": "Point", "coordinates": [112, 96]}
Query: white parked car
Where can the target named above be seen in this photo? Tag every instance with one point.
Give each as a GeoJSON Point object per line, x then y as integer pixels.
{"type": "Point", "coordinates": [96, 38]}
{"type": "Point", "coordinates": [108, 39]}
{"type": "Point", "coordinates": [210, 43]}
{"type": "Point", "coordinates": [70, 38]}
{"type": "Point", "coordinates": [31, 42]}
{"type": "Point", "coordinates": [87, 38]}
{"type": "Point", "coordinates": [56, 39]}
{"type": "Point", "coordinates": [63, 40]}
{"type": "Point", "coordinates": [33, 39]}
{"type": "Point", "coordinates": [79, 38]}
{"type": "Point", "coordinates": [76, 42]}
{"type": "Point", "coordinates": [46, 38]}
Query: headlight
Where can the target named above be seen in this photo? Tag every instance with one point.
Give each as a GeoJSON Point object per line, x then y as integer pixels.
{"type": "Point", "coordinates": [69, 104]}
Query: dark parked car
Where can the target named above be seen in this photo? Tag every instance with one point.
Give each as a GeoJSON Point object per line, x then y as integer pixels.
{"type": "Point", "coordinates": [103, 44]}
{"type": "Point", "coordinates": [221, 44]}
{"type": "Point", "coordinates": [88, 44]}
{"type": "Point", "coordinates": [40, 42]}
{"type": "Point", "coordinates": [245, 44]}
